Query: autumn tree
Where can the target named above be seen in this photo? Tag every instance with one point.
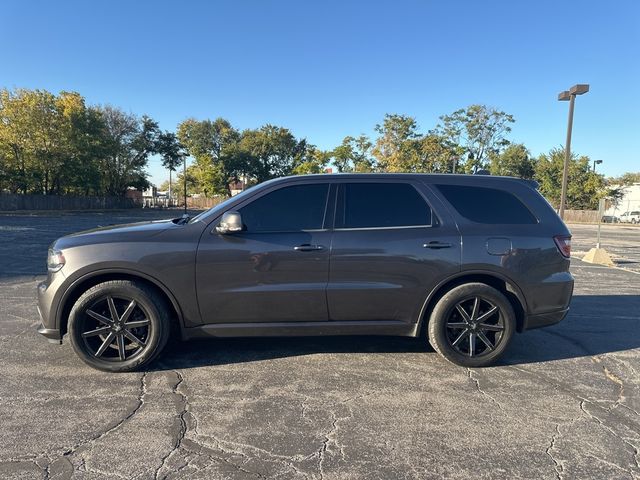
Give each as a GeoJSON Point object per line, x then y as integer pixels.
{"type": "Point", "coordinates": [397, 148]}
{"type": "Point", "coordinates": [48, 143]}
{"type": "Point", "coordinates": [437, 155]}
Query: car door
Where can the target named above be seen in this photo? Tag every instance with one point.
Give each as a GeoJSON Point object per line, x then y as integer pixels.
{"type": "Point", "coordinates": [389, 250]}
{"type": "Point", "coordinates": [276, 269]}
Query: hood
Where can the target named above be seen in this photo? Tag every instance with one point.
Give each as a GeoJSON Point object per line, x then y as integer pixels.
{"type": "Point", "coordinates": [116, 233]}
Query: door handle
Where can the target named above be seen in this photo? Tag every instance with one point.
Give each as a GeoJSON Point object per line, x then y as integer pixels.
{"type": "Point", "coordinates": [437, 245]}
{"type": "Point", "coordinates": [308, 248]}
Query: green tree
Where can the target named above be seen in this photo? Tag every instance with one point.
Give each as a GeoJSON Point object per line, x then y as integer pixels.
{"type": "Point", "coordinates": [269, 152]}
{"type": "Point", "coordinates": [614, 196]}
{"type": "Point", "coordinates": [128, 143]}
{"type": "Point", "coordinates": [83, 131]}
{"type": "Point", "coordinates": [212, 143]}
{"type": "Point", "coordinates": [171, 154]}
{"type": "Point", "coordinates": [478, 131]}
{"type": "Point", "coordinates": [312, 160]}
{"type": "Point", "coordinates": [193, 187]}
{"type": "Point", "coordinates": [584, 187]}
{"type": "Point", "coordinates": [354, 155]}
{"type": "Point", "coordinates": [514, 161]}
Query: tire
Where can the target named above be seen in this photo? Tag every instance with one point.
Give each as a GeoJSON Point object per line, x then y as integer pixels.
{"type": "Point", "coordinates": [132, 341]}
{"type": "Point", "coordinates": [450, 331]}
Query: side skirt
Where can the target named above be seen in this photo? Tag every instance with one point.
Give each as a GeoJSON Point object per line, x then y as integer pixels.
{"type": "Point", "coordinates": [293, 329]}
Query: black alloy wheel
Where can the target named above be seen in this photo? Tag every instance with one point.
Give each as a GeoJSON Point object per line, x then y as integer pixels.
{"type": "Point", "coordinates": [115, 329]}
{"type": "Point", "coordinates": [472, 325]}
{"type": "Point", "coordinates": [119, 325]}
{"type": "Point", "coordinates": [475, 326]}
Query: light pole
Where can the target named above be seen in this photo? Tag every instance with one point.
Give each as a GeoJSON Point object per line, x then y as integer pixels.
{"type": "Point", "coordinates": [184, 177]}
{"type": "Point", "coordinates": [570, 95]}
{"type": "Point", "coordinates": [596, 162]}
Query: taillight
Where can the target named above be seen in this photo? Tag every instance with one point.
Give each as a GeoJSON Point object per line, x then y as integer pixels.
{"type": "Point", "coordinates": [563, 242]}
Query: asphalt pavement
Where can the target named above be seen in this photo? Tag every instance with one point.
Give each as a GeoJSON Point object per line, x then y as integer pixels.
{"type": "Point", "coordinates": [564, 402]}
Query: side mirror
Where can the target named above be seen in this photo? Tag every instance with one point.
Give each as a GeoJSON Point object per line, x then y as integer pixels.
{"type": "Point", "coordinates": [231, 222]}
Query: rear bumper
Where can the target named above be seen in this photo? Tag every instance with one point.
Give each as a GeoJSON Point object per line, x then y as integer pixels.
{"type": "Point", "coordinates": [545, 319]}
{"type": "Point", "coordinates": [548, 301]}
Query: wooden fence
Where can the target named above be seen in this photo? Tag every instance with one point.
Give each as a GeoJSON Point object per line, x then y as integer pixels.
{"type": "Point", "coordinates": [10, 202]}
{"type": "Point", "coordinates": [581, 216]}
{"type": "Point", "coordinates": [203, 203]}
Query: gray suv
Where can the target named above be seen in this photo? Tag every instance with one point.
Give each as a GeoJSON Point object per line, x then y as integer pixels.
{"type": "Point", "coordinates": [462, 260]}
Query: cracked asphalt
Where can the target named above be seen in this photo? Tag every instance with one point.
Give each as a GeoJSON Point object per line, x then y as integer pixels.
{"type": "Point", "coordinates": [564, 403]}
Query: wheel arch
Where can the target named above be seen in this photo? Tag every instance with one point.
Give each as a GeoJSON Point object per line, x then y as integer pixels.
{"type": "Point", "coordinates": [493, 279]}
{"type": "Point", "coordinates": [82, 284]}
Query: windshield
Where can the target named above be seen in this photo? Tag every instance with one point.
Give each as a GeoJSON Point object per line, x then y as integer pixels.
{"type": "Point", "coordinates": [221, 207]}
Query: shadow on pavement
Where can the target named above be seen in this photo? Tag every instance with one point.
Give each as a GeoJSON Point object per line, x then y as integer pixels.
{"type": "Point", "coordinates": [596, 325]}
{"type": "Point", "coordinates": [227, 351]}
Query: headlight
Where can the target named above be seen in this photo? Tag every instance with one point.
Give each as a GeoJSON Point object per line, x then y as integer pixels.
{"type": "Point", "coordinates": [55, 260]}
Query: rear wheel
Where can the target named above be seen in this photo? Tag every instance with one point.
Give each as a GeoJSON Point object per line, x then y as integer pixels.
{"type": "Point", "coordinates": [472, 325]}
{"type": "Point", "coordinates": [119, 326]}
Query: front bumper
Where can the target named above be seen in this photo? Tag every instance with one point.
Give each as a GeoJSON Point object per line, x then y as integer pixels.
{"type": "Point", "coordinates": [47, 327]}
{"type": "Point", "coordinates": [51, 334]}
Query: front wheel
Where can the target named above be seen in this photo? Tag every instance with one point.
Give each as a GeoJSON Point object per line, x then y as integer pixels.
{"type": "Point", "coordinates": [472, 325]}
{"type": "Point", "coordinates": [119, 326]}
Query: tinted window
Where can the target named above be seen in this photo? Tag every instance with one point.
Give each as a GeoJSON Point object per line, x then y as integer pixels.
{"type": "Point", "coordinates": [487, 205]}
{"type": "Point", "coordinates": [381, 205]}
{"type": "Point", "coordinates": [288, 209]}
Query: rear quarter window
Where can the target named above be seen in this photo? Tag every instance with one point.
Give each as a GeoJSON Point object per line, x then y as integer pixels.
{"type": "Point", "coordinates": [487, 205]}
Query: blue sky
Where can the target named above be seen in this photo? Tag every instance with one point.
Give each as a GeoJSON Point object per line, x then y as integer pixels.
{"type": "Point", "coordinates": [328, 69]}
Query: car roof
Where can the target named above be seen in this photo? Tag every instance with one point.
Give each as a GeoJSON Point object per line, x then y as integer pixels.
{"type": "Point", "coordinates": [465, 179]}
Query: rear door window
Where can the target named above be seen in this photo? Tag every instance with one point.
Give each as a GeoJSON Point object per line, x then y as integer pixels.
{"type": "Point", "coordinates": [381, 205]}
{"type": "Point", "coordinates": [487, 205]}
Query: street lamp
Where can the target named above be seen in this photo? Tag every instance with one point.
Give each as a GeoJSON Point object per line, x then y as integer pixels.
{"type": "Point", "coordinates": [570, 95]}
{"type": "Point", "coordinates": [596, 162]}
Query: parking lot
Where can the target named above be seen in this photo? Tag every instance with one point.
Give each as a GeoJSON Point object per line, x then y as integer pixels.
{"type": "Point", "coordinates": [564, 402]}
{"type": "Point", "coordinates": [622, 242]}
